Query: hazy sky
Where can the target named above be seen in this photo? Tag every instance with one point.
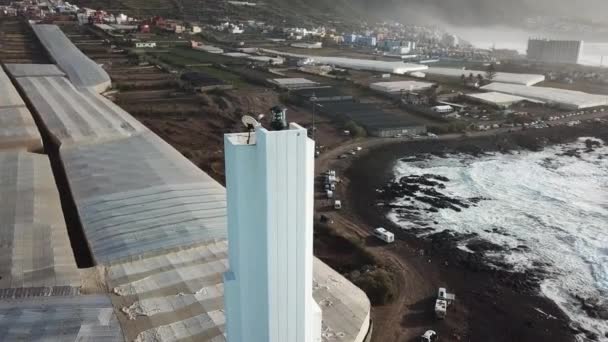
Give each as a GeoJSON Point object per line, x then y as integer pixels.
{"type": "Point", "coordinates": [473, 12]}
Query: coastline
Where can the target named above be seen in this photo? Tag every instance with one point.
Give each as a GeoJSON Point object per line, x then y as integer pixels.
{"type": "Point", "coordinates": [495, 305]}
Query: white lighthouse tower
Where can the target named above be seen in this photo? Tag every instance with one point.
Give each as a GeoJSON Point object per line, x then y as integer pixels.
{"type": "Point", "coordinates": [270, 189]}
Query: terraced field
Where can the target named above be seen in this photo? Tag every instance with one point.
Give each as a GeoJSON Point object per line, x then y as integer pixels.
{"type": "Point", "coordinates": [18, 44]}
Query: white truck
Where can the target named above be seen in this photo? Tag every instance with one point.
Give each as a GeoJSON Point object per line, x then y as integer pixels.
{"type": "Point", "coordinates": [384, 235]}
{"type": "Point", "coordinates": [444, 299]}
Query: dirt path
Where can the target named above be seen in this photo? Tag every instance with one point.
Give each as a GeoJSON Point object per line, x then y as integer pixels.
{"type": "Point", "coordinates": [414, 286]}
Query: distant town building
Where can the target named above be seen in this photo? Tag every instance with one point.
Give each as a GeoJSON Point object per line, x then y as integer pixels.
{"type": "Point", "coordinates": [397, 46]}
{"type": "Point", "coordinates": [141, 45]}
{"type": "Point", "coordinates": [315, 45]}
{"type": "Point", "coordinates": [196, 29]}
{"type": "Point", "coordinates": [450, 40]}
{"type": "Point", "coordinates": [366, 41]}
{"type": "Point", "coordinates": [555, 51]}
{"type": "Point", "coordinates": [443, 109]}
{"type": "Point", "coordinates": [351, 38]}
{"type": "Point", "coordinates": [236, 30]}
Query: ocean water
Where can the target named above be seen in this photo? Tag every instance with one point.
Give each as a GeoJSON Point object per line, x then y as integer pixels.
{"type": "Point", "coordinates": [555, 204]}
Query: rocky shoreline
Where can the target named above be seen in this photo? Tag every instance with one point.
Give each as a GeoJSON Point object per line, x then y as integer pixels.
{"type": "Point", "coordinates": [500, 300]}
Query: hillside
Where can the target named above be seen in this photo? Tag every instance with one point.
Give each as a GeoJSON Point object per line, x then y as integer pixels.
{"type": "Point", "coordinates": [465, 13]}
{"type": "Point", "coordinates": [295, 12]}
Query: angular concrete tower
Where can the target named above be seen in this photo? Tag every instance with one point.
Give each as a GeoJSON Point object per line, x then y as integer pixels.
{"type": "Point", "coordinates": [270, 189]}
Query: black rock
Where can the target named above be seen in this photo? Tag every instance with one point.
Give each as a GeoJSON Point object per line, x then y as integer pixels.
{"type": "Point", "coordinates": [592, 336]}
{"type": "Point", "coordinates": [479, 245]}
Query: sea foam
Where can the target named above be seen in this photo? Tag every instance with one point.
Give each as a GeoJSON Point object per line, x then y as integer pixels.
{"type": "Point", "coordinates": [555, 202]}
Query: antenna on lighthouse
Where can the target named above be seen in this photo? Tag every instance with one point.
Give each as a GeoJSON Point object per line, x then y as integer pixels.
{"type": "Point", "coordinates": [250, 123]}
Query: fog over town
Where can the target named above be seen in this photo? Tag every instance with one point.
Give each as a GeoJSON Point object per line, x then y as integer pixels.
{"type": "Point", "coordinates": [304, 170]}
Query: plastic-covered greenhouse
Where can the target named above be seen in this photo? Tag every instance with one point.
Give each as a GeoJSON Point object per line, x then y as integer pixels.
{"type": "Point", "coordinates": [505, 77]}
{"type": "Point", "coordinates": [81, 70]}
{"type": "Point", "coordinates": [59, 318]}
{"type": "Point", "coordinates": [567, 99]}
{"type": "Point", "coordinates": [36, 251]}
{"type": "Point", "coordinates": [74, 116]}
{"type": "Point", "coordinates": [34, 70]}
{"type": "Point", "coordinates": [9, 97]}
{"type": "Point", "coordinates": [140, 196]}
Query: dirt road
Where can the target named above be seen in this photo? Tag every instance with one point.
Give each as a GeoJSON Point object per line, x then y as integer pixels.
{"type": "Point", "coordinates": [414, 286]}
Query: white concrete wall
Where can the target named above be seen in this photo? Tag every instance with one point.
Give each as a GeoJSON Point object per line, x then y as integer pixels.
{"type": "Point", "coordinates": [268, 288]}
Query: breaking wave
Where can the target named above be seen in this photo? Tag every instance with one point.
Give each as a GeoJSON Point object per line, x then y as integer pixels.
{"type": "Point", "coordinates": [554, 202]}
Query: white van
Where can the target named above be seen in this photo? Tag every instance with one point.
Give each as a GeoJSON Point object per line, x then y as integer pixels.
{"type": "Point", "coordinates": [384, 235]}
{"type": "Point", "coordinates": [337, 205]}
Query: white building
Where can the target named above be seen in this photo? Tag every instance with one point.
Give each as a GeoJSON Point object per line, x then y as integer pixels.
{"type": "Point", "coordinates": [562, 98]}
{"type": "Point", "coordinates": [450, 40]}
{"type": "Point", "coordinates": [141, 45]}
{"type": "Point", "coordinates": [236, 29]}
{"type": "Point", "coordinates": [443, 109]}
{"type": "Point", "coordinates": [268, 288]}
{"type": "Point", "coordinates": [317, 45]}
{"type": "Point", "coordinates": [294, 83]}
{"type": "Point", "coordinates": [400, 86]}
{"type": "Point", "coordinates": [555, 51]}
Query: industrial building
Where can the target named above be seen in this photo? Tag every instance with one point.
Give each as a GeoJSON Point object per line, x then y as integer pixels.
{"type": "Point", "coordinates": [256, 58]}
{"type": "Point", "coordinates": [376, 121]}
{"type": "Point", "coordinates": [153, 220]}
{"type": "Point", "coordinates": [496, 99]}
{"type": "Point", "coordinates": [294, 83]}
{"type": "Point", "coordinates": [562, 98]}
{"type": "Point", "coordinates": [502, 77]}
{"type": "Point", "coordinates": [397, 87]}
{"type": "Point", "coordinates": [399, 68]}
{"type": "Point", "coordinates": [356, 64]}
{"type": "Point", "coordinates": [319, 95]}
{"type": "Point", "coordinates": [555, 51]}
